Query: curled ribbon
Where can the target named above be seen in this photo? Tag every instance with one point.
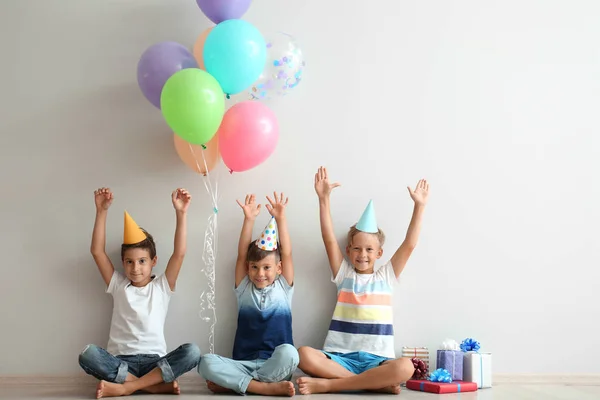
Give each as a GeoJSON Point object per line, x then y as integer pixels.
{"type": "Point", "coordinates": [440, 375]}
{"type": "Point", "coordinates": [450, 344]}
{"type": "Point", "coordinates": [470, 344]}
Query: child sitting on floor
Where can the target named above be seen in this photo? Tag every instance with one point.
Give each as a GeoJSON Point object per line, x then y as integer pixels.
{"type": "Point", "coordinates": [359, 348]}
{"type": "Point", "coordinates": [264, 356]}
{"type": "Point", "coordinates": [136, 357]}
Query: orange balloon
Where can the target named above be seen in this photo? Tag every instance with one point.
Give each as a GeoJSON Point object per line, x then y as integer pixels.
{"type": "Point", "coordinates": [199, 48]}
{"type": "Point", "coordinates": [194, 155]}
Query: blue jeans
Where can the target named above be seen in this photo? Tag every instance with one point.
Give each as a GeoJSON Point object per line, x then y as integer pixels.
{"type": "Point", "coordinates": [104, 366]}
{"type": "Point", "coordinates": [236, 375]}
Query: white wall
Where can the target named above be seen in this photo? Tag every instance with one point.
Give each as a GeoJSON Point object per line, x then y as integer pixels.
{"type": "Point", "coordinates": [495, 103]}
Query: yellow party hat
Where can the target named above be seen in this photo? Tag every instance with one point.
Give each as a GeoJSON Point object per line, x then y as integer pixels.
{"type": "Point", "coordinates": [132, 233]}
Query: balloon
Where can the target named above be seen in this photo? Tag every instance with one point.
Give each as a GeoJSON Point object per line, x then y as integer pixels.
{"type": "Point", "coordinates": [193, 104]}
{"type": "Point", "coordinates": [248, 135]}
{"type": "Point", "coordinates": [195, 156]}
{"type": "Point", "coordinates": [157, 64]}
{"type": "Point", "coordinates": [282, 72]}
{"type": "Point", "coordinates": [221, 10]}
{"type": "Point", "coordinates": [235, 53]}
{"type": "Point", "coordinates": [199, 48]}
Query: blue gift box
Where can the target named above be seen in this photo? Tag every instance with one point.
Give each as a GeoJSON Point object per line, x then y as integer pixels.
{"type": "Point", "coordinates": [452, 361]}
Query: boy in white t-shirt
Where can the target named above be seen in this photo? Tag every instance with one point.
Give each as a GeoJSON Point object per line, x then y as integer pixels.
{"type": "Point", "coordinates": [359, 349]}
{"type": "Point", "coordinates": [136, 357]}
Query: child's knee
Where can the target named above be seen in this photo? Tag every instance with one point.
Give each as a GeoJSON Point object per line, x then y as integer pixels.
{"type": "Point", "coordinates": [89, 355]}
{"type": "Point", "coordinates": [288, 352]}
{"type": "Point", "coordinates": [191, 352]}
{"type": "Point", "coordinates": [404, 369]}
{"type": "Point", "coordinates": [206, 362]}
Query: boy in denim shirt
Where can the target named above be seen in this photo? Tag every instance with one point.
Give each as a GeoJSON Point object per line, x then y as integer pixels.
{"type": "Point", "coordinates": [264, 356]}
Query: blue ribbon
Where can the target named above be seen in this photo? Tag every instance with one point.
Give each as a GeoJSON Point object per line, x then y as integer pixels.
{"type": "Point", "coordinates": [440, 375]}
{"type": "Point", "coordinates": [458, 387]}
{"type": "Point", "coordinates": [470, 344]}
{"type": "Point", "coordinates": [422, 386]}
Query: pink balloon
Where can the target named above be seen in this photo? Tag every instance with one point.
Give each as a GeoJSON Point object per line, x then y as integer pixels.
{"type": "Point", "coordinates": [248, 135]}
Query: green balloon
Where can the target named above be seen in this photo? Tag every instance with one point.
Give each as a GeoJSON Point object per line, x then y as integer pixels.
{"type": "Point", "coordinates": [193, 103]}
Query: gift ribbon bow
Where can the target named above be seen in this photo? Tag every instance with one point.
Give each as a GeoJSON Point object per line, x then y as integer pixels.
{"type": "Point", "coordinates": [440, 375]}
{"type": "Point", "coordinates": [450, 344]}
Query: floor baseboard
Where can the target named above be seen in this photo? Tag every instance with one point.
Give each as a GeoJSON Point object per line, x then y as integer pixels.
{"type": "Point", "coordinates": [193, 379]}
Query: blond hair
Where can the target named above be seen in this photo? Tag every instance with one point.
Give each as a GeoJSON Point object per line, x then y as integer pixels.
{"type": "Point", "coordinates": [353, 231]}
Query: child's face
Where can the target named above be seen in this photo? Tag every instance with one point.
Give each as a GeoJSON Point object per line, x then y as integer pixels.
{"type": "Point", "coordinates": [138, 266]}
{"type": "Point", "coordinates": [364, 251]}
{"type": "Point", "coordinates": [263, 273]}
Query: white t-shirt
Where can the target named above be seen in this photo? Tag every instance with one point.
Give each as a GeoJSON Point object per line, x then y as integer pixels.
{"type": "Point", "coordinates": [363, 315]}
{"type": "Point", "coordinates": [138, 319]}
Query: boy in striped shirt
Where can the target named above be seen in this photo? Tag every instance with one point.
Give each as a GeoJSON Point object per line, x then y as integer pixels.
{"type": "Point", "coordinates": [359, 348]}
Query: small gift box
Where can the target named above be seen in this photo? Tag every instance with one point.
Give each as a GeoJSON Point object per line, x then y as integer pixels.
{"type": "Point", "coordinates": [477, 368]}
{"type": "Point", "coordinates": [450, 358]}
{"type": "Point", "coordinates": [421, 353]}
{"type": "Point", "coordinates": [441, 387]}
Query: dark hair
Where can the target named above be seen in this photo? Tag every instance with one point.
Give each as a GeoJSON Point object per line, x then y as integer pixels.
{"type": "Point", "coordinates": [146, 244]}
{"type": "Point", "coordinates": [256, 254]}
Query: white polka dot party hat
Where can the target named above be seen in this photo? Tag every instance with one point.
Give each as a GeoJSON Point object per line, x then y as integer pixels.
{"type": "Point", "coordinates": [268, 238]}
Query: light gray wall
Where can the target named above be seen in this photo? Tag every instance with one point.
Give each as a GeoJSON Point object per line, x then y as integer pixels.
{"type": "Point", "coordinates": [495, 103]}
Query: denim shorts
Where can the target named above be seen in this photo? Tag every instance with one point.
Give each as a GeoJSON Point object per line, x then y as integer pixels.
{"type": "Point", "coordinates": [357, 362]}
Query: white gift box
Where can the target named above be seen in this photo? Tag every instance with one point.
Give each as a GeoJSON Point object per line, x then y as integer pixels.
{"type": "Point", "coordinates": [477, 367]}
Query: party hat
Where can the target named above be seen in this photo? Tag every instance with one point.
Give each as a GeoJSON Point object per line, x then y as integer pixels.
{"type": "Point", "coordinates": [132, 233]}
{"type": "Point", "coordinates": [268, 239]}
{"type": "Point", "coordinates": [368, 222]}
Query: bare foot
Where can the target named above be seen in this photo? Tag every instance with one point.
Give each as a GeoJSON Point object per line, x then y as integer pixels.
{"type": "Point", "coordinates": [285, 388]}
{"type": "Point", "coordinates": [213, 387]}
{"type": "Point", "coordinates": [164, 388]}
{"type": "Point", "coordinates": [108, 389]}
{"type": "Point", "coordinates": [309, 385]}
{"type": "Point", "coordinates": [394, 389]}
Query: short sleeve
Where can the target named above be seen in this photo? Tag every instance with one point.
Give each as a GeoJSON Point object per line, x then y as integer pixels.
{"type": "Point", "coordinates": [342, 272]}
{"type": "Point", "coordinates": [285, 286]}
{"type": "Point", "coordinates": [388, 274]}
{"type": "Point", "coordinates": [117, 280]}
{"type": "Point", "coordinates": [241, 288]}
{"type": "Point", "coordinates": [163, 284]}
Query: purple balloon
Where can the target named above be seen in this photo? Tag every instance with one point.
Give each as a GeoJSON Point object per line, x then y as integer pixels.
{"type": "Point", "coordinates": [157, 64]}
{"type": "Point", "coordinates": [221, 10]}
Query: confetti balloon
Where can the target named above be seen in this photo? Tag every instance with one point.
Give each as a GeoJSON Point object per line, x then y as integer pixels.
{"type": "Point", "coordinates": [282, 73]}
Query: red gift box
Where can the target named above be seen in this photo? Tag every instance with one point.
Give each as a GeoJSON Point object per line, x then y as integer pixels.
{"type": "Point", "coordinates": [441, 387]}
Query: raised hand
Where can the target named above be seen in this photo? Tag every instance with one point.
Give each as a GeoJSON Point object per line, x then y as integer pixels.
{"type": "Point", "coordinates": [103, 198]}
{"type": "Point", "coordinates": [181, 199]}
{"type": "Point", "coordinates": [250, 208]}
{"type": "Point", "coordinates": [322, 185]}
{"type": "Point", "coordinates": [421, 192]}
{"type": "Point", "coordinates": [277, 207]}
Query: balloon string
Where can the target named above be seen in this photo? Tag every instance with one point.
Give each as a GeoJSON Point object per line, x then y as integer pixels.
{"type": "Point", "coordinates": [209, 252]}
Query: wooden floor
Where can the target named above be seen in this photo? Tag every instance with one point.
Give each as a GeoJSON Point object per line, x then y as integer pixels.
{"type": "Point", "coordinates": [199, 392]}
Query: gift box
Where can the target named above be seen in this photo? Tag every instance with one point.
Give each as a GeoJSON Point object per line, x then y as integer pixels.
{"type": "Point", "coordinates": [441, 387]}
{"type": "Point", "coordinates": [421, 353]}
{"type": "Point", "coordinates": [477, 368]}
{"type": "Point", "coordinates": [451, 360]}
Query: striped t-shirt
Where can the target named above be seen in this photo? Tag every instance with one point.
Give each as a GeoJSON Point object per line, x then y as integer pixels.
{"type": "Point", "coordinates": [363, 319]}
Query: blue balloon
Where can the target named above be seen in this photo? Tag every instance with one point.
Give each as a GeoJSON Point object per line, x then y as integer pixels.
{"type": "Point", "coordinates": [235, 53]}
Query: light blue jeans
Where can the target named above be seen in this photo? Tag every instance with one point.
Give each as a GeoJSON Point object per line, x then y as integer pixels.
{"type": "Point", "coordinates": [236, 375]}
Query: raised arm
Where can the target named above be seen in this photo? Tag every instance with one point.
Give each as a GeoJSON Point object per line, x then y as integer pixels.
{"type": "Point", "coordinates": [323, 189]}
{"type": "Point", "coordinates": [401, 256]}
{"type": "Point", "coordinates": [251, 211]}
{"type": "Point", "coordinates": [103, 198]}
{"type": "Point", "coordinates": [181, 201]}
{"type": "Point", "coordinates": [277, 209]}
